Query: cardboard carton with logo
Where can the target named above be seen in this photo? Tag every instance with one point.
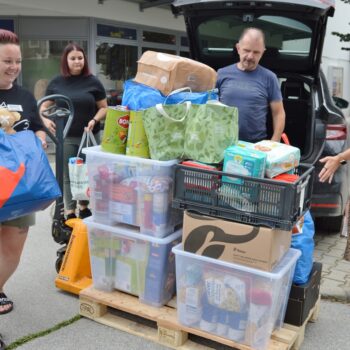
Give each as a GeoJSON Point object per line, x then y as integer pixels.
{"type": "Point", "coordinates": [258, 247]}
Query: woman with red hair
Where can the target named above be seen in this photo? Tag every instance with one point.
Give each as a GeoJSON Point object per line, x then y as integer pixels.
{"type": "Point", "coordinates": [90, 106]}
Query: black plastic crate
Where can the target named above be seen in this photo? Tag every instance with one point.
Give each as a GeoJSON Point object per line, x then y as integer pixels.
{"type": "Point", "coordinates": [255, 201]}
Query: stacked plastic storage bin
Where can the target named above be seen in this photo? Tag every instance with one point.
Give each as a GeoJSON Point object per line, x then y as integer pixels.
{"type": "Point", "coordinates": [231, 300]}
{"type": "Point", "coordinates": [227, 298]}
{"type": "Point", "coordinates": [133, 226]}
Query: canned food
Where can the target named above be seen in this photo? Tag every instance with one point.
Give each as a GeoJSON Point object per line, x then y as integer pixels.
{"type": "Point", "coordinates": [116, 130]}
{"type": "Point", "coordinates": [137, 143]}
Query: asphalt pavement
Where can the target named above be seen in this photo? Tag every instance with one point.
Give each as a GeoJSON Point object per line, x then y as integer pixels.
{"type": "Point", "coordinates": [39, 305]}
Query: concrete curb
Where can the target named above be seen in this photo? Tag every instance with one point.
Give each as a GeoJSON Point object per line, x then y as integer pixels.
{"type": "Point", "coordinates": [335, 282]}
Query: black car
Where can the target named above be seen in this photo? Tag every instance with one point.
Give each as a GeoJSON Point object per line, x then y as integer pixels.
{"type": "Point", "coordinates": [294, 36]}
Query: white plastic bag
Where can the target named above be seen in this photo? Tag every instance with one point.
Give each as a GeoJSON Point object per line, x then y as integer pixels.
{"type": "Point", "coordinates": [78, 176]}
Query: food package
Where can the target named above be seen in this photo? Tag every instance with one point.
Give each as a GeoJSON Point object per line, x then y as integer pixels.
{"type": "Point", "coordinates": [116, 130]}
{"type": "Point", "coordinates": [137, 143]}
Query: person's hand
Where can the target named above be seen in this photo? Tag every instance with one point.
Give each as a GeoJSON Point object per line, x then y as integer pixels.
{"type": "Point", "coordinates": [43, 143]}
{"type": "Point", "coordinates": [50, 125]}
{"type": "Point", "coordinates": [41, 135]}
{"type": "Point", "coordinates": [90, 125]}
{"type": "Point", "coordinates": [331, 165]}
{"type": "Point", "coordinates": [42, 138]}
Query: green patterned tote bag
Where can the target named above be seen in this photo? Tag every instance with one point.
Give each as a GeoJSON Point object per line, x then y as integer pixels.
{"type": "Point", "coordinates": [165, 127]}
{"type": "Point", "coordinates": [210, 129]}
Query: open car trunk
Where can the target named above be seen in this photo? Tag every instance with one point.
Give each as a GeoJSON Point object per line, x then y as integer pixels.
{"type": "Point", "coordinates": [302, 127]}
{"type": "Point", "coordinates": [294, 35]}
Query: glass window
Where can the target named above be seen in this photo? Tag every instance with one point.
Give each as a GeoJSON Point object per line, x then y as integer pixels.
{"type": "Point", "coordinates": [185, 54]}
{"type": "Point", "coordinates": [115, 63]}
{"type": "Point", "coordinates": [41, 62]}
{"type": "Point", "coordinates": [116, 32]}
{"type": "Point", "coordinates": [160, 38]}
{"type": "Point", "coordinates": [286, 35]}
{"type": "Point", "coordinates": [184, 41]}
{"type": "Point", "coordinates": [7, 24]}
{"type": "Point", "coordinates": [172, 52]}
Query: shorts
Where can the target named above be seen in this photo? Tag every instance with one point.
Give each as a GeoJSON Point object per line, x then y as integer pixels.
{"type": "Point", "coordinates": [22, 221]}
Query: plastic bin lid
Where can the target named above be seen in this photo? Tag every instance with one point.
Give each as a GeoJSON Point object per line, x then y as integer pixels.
{"type": "Point", "coordinates": [132, 233]}
{"type": "Point", "coordinates": [96, 151]}
{"type": "Point", "coordinates": [278, 272]}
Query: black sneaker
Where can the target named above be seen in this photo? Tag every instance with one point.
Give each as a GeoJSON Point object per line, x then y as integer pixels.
{"type": "Point", "coordinates": [84, 213]}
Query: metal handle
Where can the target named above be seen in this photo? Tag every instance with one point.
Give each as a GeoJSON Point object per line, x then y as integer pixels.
{"type": "Point", "coordinates": [58, 114]}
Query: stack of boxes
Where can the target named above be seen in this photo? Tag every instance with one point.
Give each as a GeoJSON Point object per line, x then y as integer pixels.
{"type": "Point", "coordinates": [235, 267]}
{"type": "Point", "coordinates": [133, 227]}
{"type": "Point", "coordinates": [233, 279]}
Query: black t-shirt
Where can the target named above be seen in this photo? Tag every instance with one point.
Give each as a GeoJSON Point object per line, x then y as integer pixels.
{"type": "Point", "coordinates": [22, 101]}
{"type": "Point", "coordinates": [84, 92]}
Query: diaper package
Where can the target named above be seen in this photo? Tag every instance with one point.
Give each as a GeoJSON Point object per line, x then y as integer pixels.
{"type": "Point", "coordinates": [243, 159]}
{"type": "Point", "coordinates": [280, 158]}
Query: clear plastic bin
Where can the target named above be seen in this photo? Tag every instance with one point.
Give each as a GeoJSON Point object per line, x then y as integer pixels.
{"type": "Point", "coordinates": [123, 259]}
{"type": "Point", "coordinates": [230, 300]}
{"type": "Point", "coordinates": [132, 190]}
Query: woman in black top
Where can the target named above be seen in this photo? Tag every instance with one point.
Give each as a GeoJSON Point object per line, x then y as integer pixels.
{"type": "Point", "coordinates": [90, 106]}
{"type": "Point", "coordinates": [13, 233]}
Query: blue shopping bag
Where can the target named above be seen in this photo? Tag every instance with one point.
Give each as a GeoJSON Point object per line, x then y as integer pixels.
{"type": "Point", "coordinates": [138, 96]}
{"type": "Point", "coordinates": [27, 183]}
{"type": "Point", "coordinates": [304, 241]}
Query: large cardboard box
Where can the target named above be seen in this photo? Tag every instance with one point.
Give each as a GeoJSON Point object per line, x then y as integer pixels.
{"type": "Point", "coordinates": [167, 72]}
{"type": "Point", "coordinates": [303, 298]}
{"type": "Point", "coordinates": [257, 247]}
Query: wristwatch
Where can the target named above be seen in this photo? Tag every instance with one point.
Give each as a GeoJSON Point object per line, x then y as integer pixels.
{"type": "Point", "coordinates": [342, 161]}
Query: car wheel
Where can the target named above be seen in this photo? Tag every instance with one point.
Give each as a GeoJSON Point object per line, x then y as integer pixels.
{"type": "Point", "coordinates": [59, 261]}
{"type": "Point", "coordinates": [329, 224]}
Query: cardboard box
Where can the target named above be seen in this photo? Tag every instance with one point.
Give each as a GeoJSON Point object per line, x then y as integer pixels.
{"type": "Point", "coordinates": [167, 73]}
{"type": "Point", "coordinates": [258, 247]}
{"type": "Point", "coordinates": [304, 297]}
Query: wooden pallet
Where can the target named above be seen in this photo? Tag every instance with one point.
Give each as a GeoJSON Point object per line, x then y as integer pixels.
{"type": "Point", "coordinates": [312, 317]}
{"type": "Point", "coordinates": [114, 309]}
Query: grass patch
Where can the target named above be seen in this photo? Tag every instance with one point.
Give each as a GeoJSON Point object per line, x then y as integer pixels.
{"type": "Point", "coordinates": [33, 336]}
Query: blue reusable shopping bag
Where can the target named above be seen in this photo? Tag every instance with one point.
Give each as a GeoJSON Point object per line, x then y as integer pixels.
{"type": "Point", "coordinates": [138, 96]}
{"type": "Point", "coordinates": [304, 241]}
{"type": "Point", "coordinates": [27, 183]}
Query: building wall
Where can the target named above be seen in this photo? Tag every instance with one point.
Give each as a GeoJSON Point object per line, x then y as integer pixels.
{"type": "Point", "coordinates": [335, 61]}
{"type": "Point", "coordinates": [117, 10]}
{"type": "Point", "coordinates": [52, 24]}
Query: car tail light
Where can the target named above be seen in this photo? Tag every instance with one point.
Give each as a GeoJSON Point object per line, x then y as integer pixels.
{"type": "Point", "coordinates": [324, 205]}
{"type": "Point", "coordinates": [336, 132]}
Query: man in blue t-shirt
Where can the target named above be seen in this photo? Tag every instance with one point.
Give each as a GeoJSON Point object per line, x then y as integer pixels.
{"type": "Point", "coordinates": [253, 89]}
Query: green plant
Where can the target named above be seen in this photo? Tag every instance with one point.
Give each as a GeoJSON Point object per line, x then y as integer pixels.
{"type": "Point", "coordinates": [33, 336]}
